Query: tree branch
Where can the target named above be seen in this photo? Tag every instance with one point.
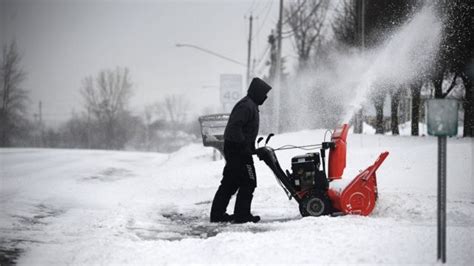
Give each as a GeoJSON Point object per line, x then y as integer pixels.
{"type": "Point", "coordinates": [451, 87]}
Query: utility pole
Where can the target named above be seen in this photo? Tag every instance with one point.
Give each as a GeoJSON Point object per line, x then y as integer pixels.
{"type": "Point", "coordinates": [362, 34]}
{"type": "Point", "coordinates": [362, 24]}
{"type": "Point", "coordinates": [40, 123]}
{"type": "Point", "coordinates": [254, 65]}
{"type": "Point", "coordinates": [40, 112]}
{"type": "Point", "coordinates": [360, 11]}
{"type": "Point", "coordinates": [89, 146]}
{"type": "Point", "coordinates": [276, 102]}
{"type": "Point", "coordinates": [273, 54]}
{"type": "Point", "coordinates": [249, 51]}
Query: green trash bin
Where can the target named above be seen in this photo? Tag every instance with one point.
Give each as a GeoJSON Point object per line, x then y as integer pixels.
{"type": "Point", "coordinates": [442, 117]}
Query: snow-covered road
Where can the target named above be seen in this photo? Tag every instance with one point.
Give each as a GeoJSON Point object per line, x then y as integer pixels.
{"type": "Point", "coordinates": [101, 207]}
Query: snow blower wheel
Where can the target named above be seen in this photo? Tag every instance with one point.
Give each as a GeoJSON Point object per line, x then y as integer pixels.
{"type": "Point", "coordinates": [314, 204]}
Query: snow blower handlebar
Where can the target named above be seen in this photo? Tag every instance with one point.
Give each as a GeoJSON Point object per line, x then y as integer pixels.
{"type": "Point", "coordinates": [324, 145]}
{"type": "Point", "coordinates": [268, 138]}
{"type": "Point", "coordinates": [267, 154]}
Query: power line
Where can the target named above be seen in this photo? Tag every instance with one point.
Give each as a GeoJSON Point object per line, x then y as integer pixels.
{"type": "Point", "coordinates": [269, 7]}
{"type": "Point", "coordinates": [266, 8]}
{"type": "Point", "coordinates": [263, 56]}
{"type": "Point", "coordinates": [210, 52]}
{"type": "Point", "coordinates": [311, 13]}
{"type": "Point", "coordinates": [251, 7]}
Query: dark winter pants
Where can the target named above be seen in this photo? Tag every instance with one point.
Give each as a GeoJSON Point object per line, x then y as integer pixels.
{"type": "Point", "coordinates": [239, 175]}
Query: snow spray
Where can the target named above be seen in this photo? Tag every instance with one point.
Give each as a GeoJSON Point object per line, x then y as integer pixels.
{"type": "Point", "coordinates": [335, 90]}
{"type": "Point", "coordinates": [406, 56]}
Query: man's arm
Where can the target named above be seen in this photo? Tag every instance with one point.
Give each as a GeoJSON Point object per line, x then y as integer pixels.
{"type": "Point", "coordinates": [239, 117]}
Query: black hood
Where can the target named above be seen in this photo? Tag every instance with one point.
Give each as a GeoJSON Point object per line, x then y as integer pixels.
{"type": "Point", "coordinates": [258, 90]}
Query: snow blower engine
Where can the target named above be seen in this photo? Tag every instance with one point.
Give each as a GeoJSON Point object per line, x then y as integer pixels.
{"type": "Point", "coordinates": [318, 193]}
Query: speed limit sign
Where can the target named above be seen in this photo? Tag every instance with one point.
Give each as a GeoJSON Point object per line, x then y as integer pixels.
{"type": "Point", "coordinates": [231, 88]}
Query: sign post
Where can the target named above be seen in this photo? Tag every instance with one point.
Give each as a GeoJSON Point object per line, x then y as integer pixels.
{"type": "Point", "coordinates": [231, 90]}
{"type": "Point", "coordinates": [442, 122]}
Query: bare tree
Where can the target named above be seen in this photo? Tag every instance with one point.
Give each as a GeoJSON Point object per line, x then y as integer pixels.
{"type": "Point", "coordinates": [344, 23]}
{"type": "Point", "coordinates": [378, 99]}
{"type": "Point", "coordinates": [13, 97]}
{"type": "Point", "coordinates": [147, 120]}
{"type": "Point", "coordinates": [395, 95]}
{"type": "Point", "coordinates": [415, 90]}
{"type": "Point", "coordinates": [175, 107]}
{"type": "Point", "coordinates": [106, 97]}
{"type": "Point", "coordinates": [306, 20]}
{"type": "Point", "coordinates": [167, 123]}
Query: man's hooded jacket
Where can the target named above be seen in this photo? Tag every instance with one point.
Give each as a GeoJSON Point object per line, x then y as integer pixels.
{"type": "Point", "coordinates": [242, 128]}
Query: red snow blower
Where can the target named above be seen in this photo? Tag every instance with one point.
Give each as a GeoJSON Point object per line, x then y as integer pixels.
{"type": "Point", "coordinates": [320, 194]}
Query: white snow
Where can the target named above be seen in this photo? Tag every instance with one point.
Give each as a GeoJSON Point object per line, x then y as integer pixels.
{"type": "Point", "coordinates": [101, 207]}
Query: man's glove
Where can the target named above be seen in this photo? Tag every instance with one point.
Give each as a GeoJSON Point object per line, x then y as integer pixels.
{"type": "Point", "coordinates": [260, 153]}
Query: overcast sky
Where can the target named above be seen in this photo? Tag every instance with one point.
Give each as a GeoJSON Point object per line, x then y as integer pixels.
{"type": "Point", "coordinates": [62, 42]}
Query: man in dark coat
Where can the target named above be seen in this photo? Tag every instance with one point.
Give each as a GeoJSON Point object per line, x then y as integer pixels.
{"type": "Point", "coordinates": [239, 145]}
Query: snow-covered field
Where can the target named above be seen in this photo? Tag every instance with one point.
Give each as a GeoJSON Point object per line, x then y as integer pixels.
{"type": "Point", "coordinates": [102, 207]}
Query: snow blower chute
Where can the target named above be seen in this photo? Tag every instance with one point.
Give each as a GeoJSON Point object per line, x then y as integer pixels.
{"type": "Point", "coordinates": [320, 194]}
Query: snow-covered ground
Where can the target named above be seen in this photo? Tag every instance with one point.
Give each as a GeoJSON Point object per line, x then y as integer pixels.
{"type": "Point", "coordinates": [102, 207]}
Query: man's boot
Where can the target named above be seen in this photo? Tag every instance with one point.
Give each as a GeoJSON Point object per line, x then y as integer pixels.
{"type": "Point", "coordinates": [246, 219]}
{"type": "Point", "coordinates": [242, 206]}
{"type": "Point", "coordinates": [222, 219]}
{"type": "Point", "coordinates": [220, 202]}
